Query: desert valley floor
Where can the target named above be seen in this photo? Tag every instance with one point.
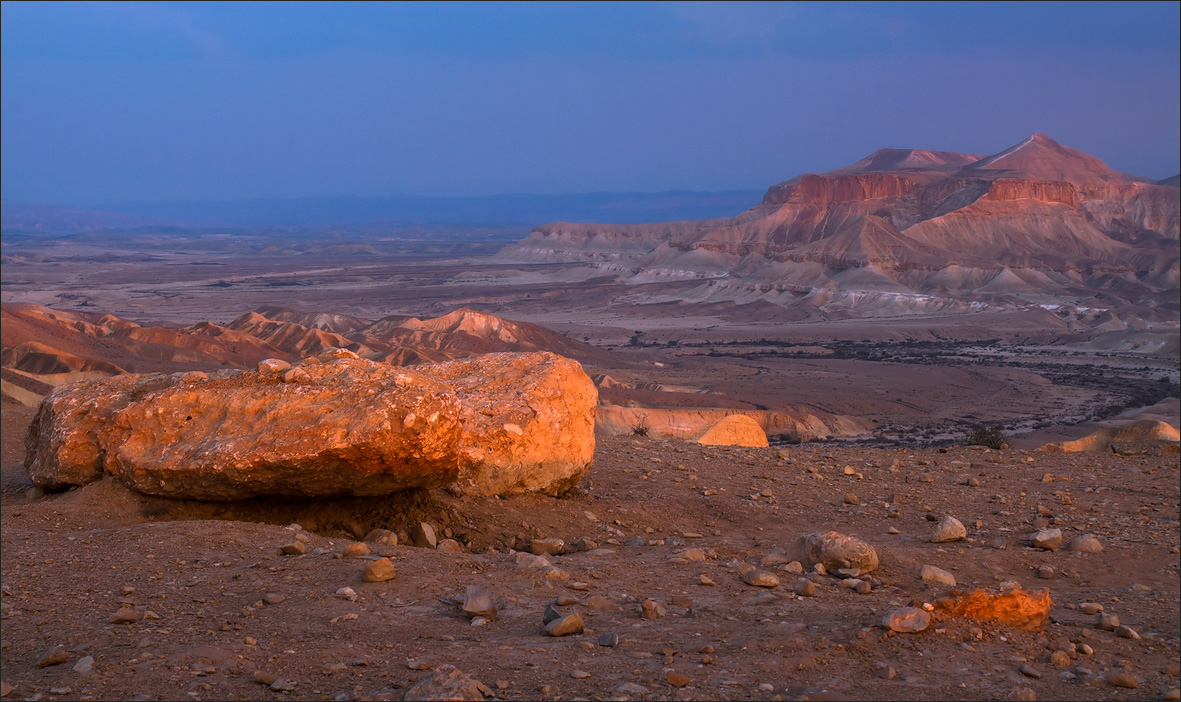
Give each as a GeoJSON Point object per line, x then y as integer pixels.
{"type": "Point", "coordinates": [214, 609]}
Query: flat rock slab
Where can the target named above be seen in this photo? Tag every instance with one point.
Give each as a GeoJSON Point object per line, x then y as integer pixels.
{"type": "Point", "coordinates": [341, 426]}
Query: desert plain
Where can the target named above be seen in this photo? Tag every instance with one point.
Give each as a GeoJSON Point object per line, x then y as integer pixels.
{"type": "Point", "coordinates": [680, 559]}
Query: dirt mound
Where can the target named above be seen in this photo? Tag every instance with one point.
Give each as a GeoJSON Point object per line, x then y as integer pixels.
{"type": "Point", "coordinates": [1108, 439]}
{"type": "Point", "coordinates": [734, 430]}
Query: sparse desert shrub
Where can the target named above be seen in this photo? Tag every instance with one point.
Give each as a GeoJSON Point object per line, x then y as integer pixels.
{"type": "Point", "coordinates": [641, 427]}
{"type": "Point", "coordinates": [987, 435]}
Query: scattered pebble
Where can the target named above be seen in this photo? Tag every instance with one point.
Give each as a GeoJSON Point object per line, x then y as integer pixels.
{"type": "Point", "coordinates": [380, 571]}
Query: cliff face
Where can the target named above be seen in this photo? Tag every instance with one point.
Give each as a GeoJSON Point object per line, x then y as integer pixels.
{"type": "Point", "coordinates": [1038, 205]}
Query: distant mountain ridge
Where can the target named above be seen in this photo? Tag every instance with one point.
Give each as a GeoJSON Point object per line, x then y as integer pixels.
{"type": "Point", "coordinates": [1034, 222]}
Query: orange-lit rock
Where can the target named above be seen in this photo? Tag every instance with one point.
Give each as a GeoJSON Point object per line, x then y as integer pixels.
{"type": "Point", "coordinates": [735, 430]}
{"type": "Point", "coordinates": [1142, 430]}
{"type": "Point", "coordinates": [332, 426]}
{"type": "Point", "coordinates": [528, 421]}
{"type": "Point", "coordinates": [1021, 609]}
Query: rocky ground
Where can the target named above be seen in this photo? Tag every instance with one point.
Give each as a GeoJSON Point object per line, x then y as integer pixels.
{"type": "Point", "coordinates": [109, 595]}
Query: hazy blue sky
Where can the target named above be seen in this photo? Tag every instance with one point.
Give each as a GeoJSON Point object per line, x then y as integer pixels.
{"type": "Point", "coordinates": [176, 101]}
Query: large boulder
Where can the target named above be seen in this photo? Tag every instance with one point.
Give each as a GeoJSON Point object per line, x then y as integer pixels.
{"type": "Point", "coordinates": [335, 425]}
{"type": "Point", "coordinates": [527, 421]}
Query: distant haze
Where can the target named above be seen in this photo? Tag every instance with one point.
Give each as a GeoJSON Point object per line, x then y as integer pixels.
{"type": "Point", "coordinates": [113, 103]}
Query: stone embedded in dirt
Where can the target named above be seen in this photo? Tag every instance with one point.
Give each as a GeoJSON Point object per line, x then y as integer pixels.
{"type": "Point", "coordinates": [295, 548]}
{"type": "Point", "coordinates": [1127, 632]}
{"type": "Point", "coordinates": [282, 685]}
{"type": "Point", "coordinates": [548, 547]}
{"type": "Point", "coordinates": [1090, 608]}
{"type": "Point", "coordinates": [85, 665]}
{"type": "Point", "coordinates": [383, 537]}
{"type": "Point", "coordinates": [551, 613]}
{"type": "Point", "coordinates": [1172, 695]}
{"type": "Point", "coordinates": [1021, 609]}
{"type": "Point", "coordinates": [705, 581]}
{"type": "Point", "coordinates": [907, 620]}
{"type": "Point", "coordinates": [1108, 622]}
{"type": "Point", "coordinates": [264, 678]}
{"type": "Point", "coordinates": [851, 499]}
{"type": "Point", "coordinates": [477, 602]}
{"type": "Point", "coordinates": [497, 423]}
{"type": "Point", "coordinates": [579, 674]}
{"type": "Point", "coordinates": [54, 656]}
{"type": "Point", "coordinates": [949, 529]}
{"type": "Point", "coordinates": [1029, 671]}
{"type": "Point", "coordinates": [346, 593]}
{"type": "Point", "coordinates": [609, 640]}
{"type": "Point", "coordinates": [1046, 539]}
{"type": "Point", "coordinates": [691, 555]}
{"type": "Point", "coordinates": [567, 625]}
{"type": "Point", "coordinates": [380, 571]}
{"type": "Point", "coordinates": [844, 555]}
{"type": "Point", "coordinates": [422, 535]}
{"type": "Point", "coordinates": [599, 603]}
{"type": "Point", "coordinates": [447, 683]}
{"type": "Point", "coordinates": [449, 546]}
{"type": "Point", "coordinates": [356, 550]}
{"type": "Point", "coordinates": [1060, 659]}
{"type": "Point", "coordinates": [125, 615]}
{"type": "Point", "coordinates": [804, 588]}
{"type": "Point", "coordinates": [1125, 680]}
{"type": "Point", "coordinates": [1045, 572]}
{"type": "Point", "coordinates": [1085, 543]}
{"type": "Point", "coordinates": [5, 689]}
{"type": "Point", "coordinates": [931, 574]}
{"type": "Point", "coordinates": [273, 598]}
{"type": "Point", "coordinates": [651, 609]}
{"type": "Point", "coordinates": [760, 578]}
{"type": "Point", "coordinates": [677, 679]}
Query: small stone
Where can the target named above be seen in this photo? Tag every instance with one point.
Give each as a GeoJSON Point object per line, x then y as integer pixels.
{"type": "Point", "coordinates": [84, 665]}
{"type": "Point", "coordinates": [938, 576]}
{"type": "Point", "coordinates": [1091, 607]}
{"type": "Point", "coordinates": [282, 685]}
{"type": "Point", "coordinates": [551, 613]}
{"type": "Point", "coordinates": [760, 578]}
{"type": "Point", "coordinates": [609, 640]}
{"type": "Point", "coordinates": [804, 588]}
{"type": "Point", "coordinates": [1086, 543]}
{"type": "Point", "coordinates": [380, 571]}
{"type": "Point", "coordinates": [356, 550]}
{"type": "Point", "coordinates": [449, 546]}
{"type": "Point", "coordinates": [125, 615]}
{"type": "Point", "coordinates": [1046, 539]}
{"type": "Point", "coordinates": [1060, 659]}
{"type": "Point", "coordinates": [1108, 622]}
{"type": "Point", "coordinates": [5, 689]}
{"type": "Point", "coordinates": [1085, 649]}
{"type": "Point", "coordinates": [295, 548]}
{"type": "Point", "coordinates": [599, 603]}
{"type": "Point", "coordinates": [795, 568]}
{"type": "Point", "coordinates": [1029, 671]}
{"type": "Point", "coordinates": [627, 690]}
{"type": "Point", "coordinates": [346, 593]}
{"type": "Point", "coordinates": [422, 535]}
{"type": "Point", "coordinates": [383, 537]}
{"type": "Point", "coordinates": [579, 674]}
{"type": "Point", "coordinates": [264, 678]}
{"type": "Point", "coordinates": [1172, 695]}
{"type": "Point", "coordinates": [677, 679]}
{"type": "Point", "coordinates": [415, 664]}
{"type": "Point", "coordinates": [569, 624]}
{"type": "Point", "coordinates": [949, 529]}
{"type": "Point", "coordinates": [448, 683]}
{"type": "Point", "coordinates": [887, 673]}
{"type": "Point", "coordinates": [272, 598]}
{"type": "Point", "coordinates": [851, 499]}
{"type": "Point", "coordinates": [1127, 632]}
{"type": "Point", "coordinates": [480, 621]}
{"type": "Point", "coordinates": [907, 620]}
{"type": "Point", "coordinates": [691, 555]}
{"type": "Point", "coordinates": [1125, 680]}
{"type": "Point", "coordinates": [651, 609]}
{"type": "Point", "coordinates": [705, 580]}
{"type": "Point", "coordinates": [1023, 694]}
{"type": "Point", "coordinates": [1045, 572]}
{"type": "Point", "coordinates": [477, 602]}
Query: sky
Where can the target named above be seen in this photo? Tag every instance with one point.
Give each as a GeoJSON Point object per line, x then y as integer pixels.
{"type": "Point", "coordinates": [141, 102]}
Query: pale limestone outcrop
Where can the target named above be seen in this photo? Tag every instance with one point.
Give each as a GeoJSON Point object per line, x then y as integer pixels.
{"type": "Point", "coordinates": [1141, 430]}
{"type": "Point", "coordinates": [735, 430]}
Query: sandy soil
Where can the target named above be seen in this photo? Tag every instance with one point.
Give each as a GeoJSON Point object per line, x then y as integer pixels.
{"type": "Point", "coordinates": [228, 604]}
